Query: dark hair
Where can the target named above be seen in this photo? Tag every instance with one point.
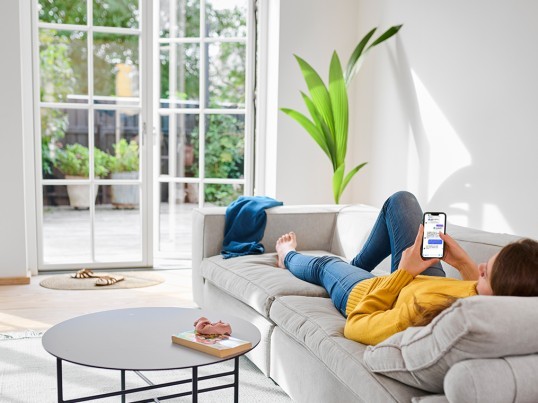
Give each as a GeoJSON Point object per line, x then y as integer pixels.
{"type": "Point", "coordinates": [515, 270]}
{"type": "Point", "coordinates": [514, 273]}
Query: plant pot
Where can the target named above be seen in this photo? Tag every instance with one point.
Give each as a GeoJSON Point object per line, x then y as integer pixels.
{"type": "Point", "coordinates": [125, 196]}
{"type": "Point", "coordinates": [79, 195]}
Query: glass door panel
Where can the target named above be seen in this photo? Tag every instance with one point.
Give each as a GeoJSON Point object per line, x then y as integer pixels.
{"type": "Point", "coordinates": [225, 146]}
{"type": "Point", "coordinates": [226, 18]}
{"type": "Point", "coordinates": [175, 218]}
{"type": "Point", "coordinates": [70, 12]}
{"type": "Point", "coordinates": [206, 68]}
{"type": "Point", "coordinates": [118, 230]}
{"type": "Point", "coordinates": [63, 66]}
{"type": "Point", "coordinates": [116, 65]}
{"type": "Point", "coordinates": [91, 115]}
{"type": "Point", "coordinates": [116, 13]}
{"type": "Point", "coordinates": [226, 77]}
{"type": "Point", "coordinates": [66, 230]}
{"type": "Point", "coordinates": [179, 18]}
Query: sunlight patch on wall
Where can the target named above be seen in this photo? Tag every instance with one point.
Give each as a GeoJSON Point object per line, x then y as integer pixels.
{"type": "Point", "coordinates": [446, 152]}
{"type": "Point", "coordinates": [459, 219]}
{"type": "Point", "coordinates": [493, 220]}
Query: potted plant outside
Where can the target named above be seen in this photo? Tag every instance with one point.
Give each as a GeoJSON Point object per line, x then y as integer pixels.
{"type": "Point", "coordinates": [125, 164]}
{"type": "Point", "coordinates": [73, 162]}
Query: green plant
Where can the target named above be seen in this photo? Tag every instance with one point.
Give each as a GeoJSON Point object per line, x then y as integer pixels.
{"type": "Point", "coordinates": [74, 160]}
{"type": "Point", "coordinates": [224, 156]}
{"type": "Point", "coordinates": [329, 109]}
{"type": "Point", "coordinates": [125, 158]}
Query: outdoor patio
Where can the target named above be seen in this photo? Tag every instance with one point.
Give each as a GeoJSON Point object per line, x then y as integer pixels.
{"type": "Point", "coordinates": [118, 235]}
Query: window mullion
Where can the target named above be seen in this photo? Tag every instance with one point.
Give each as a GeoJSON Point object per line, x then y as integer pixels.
{"type": "Point", "coordinates": [202, 97]}
{"type": "Point", "coordinates": [91, 131]}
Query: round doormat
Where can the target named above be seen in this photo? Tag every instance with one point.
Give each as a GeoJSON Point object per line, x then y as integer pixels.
{"type": "Point", "coordinates": [132, 279]}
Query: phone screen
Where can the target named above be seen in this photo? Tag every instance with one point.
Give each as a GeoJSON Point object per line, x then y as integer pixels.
{"type": "Point", "coordinates": [432, 244]}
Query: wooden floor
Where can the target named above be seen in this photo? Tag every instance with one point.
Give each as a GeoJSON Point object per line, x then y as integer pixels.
{"type": "Point", "coordinates": [24, 307]}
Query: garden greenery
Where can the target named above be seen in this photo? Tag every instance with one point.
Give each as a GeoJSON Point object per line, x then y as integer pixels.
{"type": "Point", "coordinates": [329, 109]}
{"type": "Point", "coordinates": [125, 158]}
{"type": "Point", "coordinates": [74, 160]}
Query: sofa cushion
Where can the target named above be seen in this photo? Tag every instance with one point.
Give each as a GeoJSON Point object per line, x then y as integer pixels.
{"type": "Point", "coordinates": [474, 327]}
{"type": "Point", "coordinates": [316, 325]}
{"type": "Point", "coordinates": [508, 380]}
{"type": "Point", "coordinates": [256, 281]}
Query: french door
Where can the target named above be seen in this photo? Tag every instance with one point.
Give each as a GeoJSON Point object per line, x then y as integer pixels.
{"type": "Point", "coordinates": [203, 113]}
{"type": "Point", "coordinates": [144, 113]}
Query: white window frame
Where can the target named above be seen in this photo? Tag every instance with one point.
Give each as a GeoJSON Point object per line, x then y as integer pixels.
{"type": "Point", "coordinates": [143, 107]}
{"type": "Point", "coordinates": [150, 181]}
{"type": "Point", "coordinates": [202, 111]}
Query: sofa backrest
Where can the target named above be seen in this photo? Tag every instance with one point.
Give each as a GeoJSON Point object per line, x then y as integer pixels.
{"type": "Point", "coordinates": [354, 223]}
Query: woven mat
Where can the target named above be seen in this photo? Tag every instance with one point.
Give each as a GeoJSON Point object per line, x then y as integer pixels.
{"type": "Point", "coordinates": [132, 280]}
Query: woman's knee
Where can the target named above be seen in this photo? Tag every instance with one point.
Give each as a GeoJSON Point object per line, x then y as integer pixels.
{"type": "Point", "coordinates": [402, 198]}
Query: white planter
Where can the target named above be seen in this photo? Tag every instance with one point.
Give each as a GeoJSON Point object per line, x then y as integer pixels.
{"type": "Point", "coordinates": [125, 196]}
{"type": "Point", "coordinates": [79, 195]}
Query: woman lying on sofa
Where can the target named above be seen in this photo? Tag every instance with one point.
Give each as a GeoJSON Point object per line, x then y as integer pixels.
{"type": "Point", "coordinates": [378, 307]}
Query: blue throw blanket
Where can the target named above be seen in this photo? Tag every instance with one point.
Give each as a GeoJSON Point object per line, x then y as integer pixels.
{"type": "Point", "coordinates": [245, 225]}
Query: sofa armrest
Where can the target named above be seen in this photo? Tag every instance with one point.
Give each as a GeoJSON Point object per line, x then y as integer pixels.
{"type": "Point", "coordinates": [314, 226]}
{"type": "Point", "coordinates": [507, 379]}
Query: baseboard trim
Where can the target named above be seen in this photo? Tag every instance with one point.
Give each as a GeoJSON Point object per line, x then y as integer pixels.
{"type": "Point", "coordinates": [14, 280]}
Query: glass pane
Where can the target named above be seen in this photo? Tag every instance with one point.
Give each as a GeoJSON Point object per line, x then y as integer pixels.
{"type": "Point", "coordinates": [179, 18]}
{"type": "Point", "coordinates": [64, 142]}
{"type": "Point", "coordinates": [179, 145]}
{"type": "Point", "coordinates": [115, 65]}
{"type": "Point", "coordinates": [66, 230]}
{"type": "Point", "coordinates": [221, 195]}
{"type": "Point", "coordinates": [116, 13]}
{"type": "Point", "coordinates": [118, 230]}
{"type": "Point", "coordinates": [116, 136]}
{"type": "Point", "coordinates": [175, 217]}
{"type": "Point", "coordinates": [225, 146]}
{"type": "Point", "coordinates": [180, 75]}
{"type": "Point", "coordinates": [226, 81]}
{"type": "Point", "coordinates": [63, 66]}
{"type": "Point", "coordinates": [226, 18]}
{"type": "Point", "coordinates": [62, 12]}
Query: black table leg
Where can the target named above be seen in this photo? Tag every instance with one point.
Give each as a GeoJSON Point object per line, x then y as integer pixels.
{"type": "Point", "coordinates": [236, 380]}
{"type": "Point", "coordinates": [122, 385]}
{"type": "Point", "coordinates": [59, 378]}
{"type": "Point", "coordinates": [194, 384]}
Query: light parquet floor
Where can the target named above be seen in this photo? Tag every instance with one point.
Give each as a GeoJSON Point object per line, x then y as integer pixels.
{"type": "Point", "coordinates": [24, 307]}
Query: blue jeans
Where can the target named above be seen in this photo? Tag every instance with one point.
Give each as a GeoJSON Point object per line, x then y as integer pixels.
{"type": "Point", "coordinates": [394, 231]}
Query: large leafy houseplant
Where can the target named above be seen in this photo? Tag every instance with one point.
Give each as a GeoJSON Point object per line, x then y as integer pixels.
{"type": "Point", "coordinates": [329, 108]}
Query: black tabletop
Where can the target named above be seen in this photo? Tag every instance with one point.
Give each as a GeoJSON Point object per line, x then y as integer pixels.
{"type": "Point", "coordinates": [137, 338]}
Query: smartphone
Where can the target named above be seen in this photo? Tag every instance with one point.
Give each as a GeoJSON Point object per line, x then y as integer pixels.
{"type": "Point", "coordinates": [432, 244]}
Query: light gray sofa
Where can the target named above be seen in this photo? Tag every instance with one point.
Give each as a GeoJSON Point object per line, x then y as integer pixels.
{"type": "Point", "coordinates": [303, 348]}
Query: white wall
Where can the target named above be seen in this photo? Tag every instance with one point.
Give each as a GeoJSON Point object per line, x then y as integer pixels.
{"type": "Point", "coordinates": [450, 110]}
{"type": "Point", "coordinates": [13, 261]}
{"type": "Point", "coordinates": [312, 30]}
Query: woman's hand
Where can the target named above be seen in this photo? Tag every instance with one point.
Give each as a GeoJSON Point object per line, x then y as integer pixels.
{"type": "Point", "coordinates": [457, 257]}
{"type": "Point", "coordinates": [411, 260]}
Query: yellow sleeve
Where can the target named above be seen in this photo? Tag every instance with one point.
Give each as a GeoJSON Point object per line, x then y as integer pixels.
{"type": "Point", "coordinates": [374, 318]}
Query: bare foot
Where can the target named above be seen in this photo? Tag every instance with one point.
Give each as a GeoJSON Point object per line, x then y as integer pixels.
{"type": "Point", "coordinates": [286, 243]}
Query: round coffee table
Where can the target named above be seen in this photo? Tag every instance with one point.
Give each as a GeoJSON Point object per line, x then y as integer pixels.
{"type": "Point", "coordinates": [139, 339]}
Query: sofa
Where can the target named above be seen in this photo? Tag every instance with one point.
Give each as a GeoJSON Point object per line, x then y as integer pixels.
{"type": "Point", "coordinates": [481, 349]}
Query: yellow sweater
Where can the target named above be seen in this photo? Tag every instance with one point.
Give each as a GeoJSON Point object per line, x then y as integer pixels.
{"type": "Point", "coordinates": [382, 306]}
